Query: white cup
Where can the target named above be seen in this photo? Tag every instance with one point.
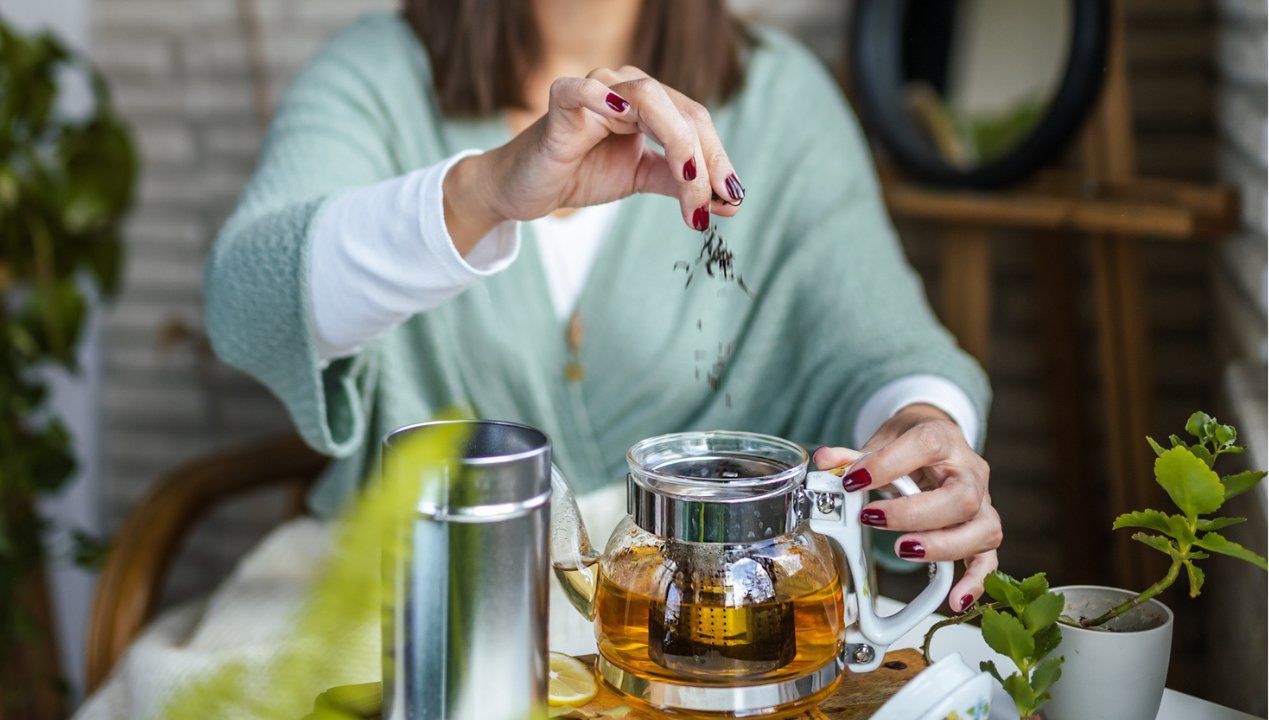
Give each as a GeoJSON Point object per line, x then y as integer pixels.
{"type": "Point", "coordinates": [947, 686]}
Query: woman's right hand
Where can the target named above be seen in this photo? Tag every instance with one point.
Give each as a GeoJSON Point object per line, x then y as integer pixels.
{"type": "Point", "coordinates": [588, 149]}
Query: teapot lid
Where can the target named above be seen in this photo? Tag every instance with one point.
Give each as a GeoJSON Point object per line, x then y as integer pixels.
{"type": "Point", "coordinates": [716, 486]}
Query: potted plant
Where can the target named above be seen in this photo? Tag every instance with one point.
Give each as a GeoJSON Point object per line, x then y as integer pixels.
{"type": "Point", "coordinates": [1116, 643]}
{"type": "Point", "coordinates": [65, 184]}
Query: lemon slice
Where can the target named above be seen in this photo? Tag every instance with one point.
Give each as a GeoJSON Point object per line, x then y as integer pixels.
{"type": "Point", "coordinates": [572, 682]}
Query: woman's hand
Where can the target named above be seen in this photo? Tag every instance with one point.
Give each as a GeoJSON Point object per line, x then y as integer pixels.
{"type": "Point", "coordinates": [589, 149]}
{"type": "Point", "coordinates": [954, 520]}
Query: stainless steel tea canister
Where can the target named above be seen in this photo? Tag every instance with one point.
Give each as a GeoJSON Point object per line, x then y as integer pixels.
{"type": "Point", "coordinates": [465, 628]}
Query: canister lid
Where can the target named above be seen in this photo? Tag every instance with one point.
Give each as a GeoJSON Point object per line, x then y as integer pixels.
{"type": "Point", "coordinates": [502, 470]}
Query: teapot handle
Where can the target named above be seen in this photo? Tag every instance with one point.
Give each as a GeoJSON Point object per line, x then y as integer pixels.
{"type": "Point", "coordinates": [835, 513]}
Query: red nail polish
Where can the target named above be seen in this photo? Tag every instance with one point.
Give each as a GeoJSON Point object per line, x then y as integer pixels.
{"type": "Point", "coordinates": [911, 550]}
{"type": "Point", "coordinates": [873, 517]}
{"type": "Point", "coordinates": [689, 169]}
{"type": "Point", "coordinates": [700, 218]}
{"type": "Point", "coordinates": [966, 602]}
{"type": "Point", "coordinates": [856, 480]}
{"type": "Point", "coordinates": [734, 188]}
{"type": "Point", "coordinates": [616, 102]}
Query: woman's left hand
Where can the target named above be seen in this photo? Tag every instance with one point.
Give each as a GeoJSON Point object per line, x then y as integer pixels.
{"type": "Point", "coordinates": [954, 520]}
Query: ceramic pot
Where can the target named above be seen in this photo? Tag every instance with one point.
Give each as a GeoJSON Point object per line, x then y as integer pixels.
{"type": "Point", "coordinates": [1117, 671]}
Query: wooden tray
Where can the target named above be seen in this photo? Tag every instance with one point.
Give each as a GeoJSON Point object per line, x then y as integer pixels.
{"type": "Point", "coordinates": [857, 697]}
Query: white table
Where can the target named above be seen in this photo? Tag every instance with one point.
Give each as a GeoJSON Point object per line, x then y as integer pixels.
{"type": "Point", "coordinates": [967, 641]}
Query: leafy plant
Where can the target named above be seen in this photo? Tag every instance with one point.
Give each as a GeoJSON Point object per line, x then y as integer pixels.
{"type": "Point", "coordinates": [64, 186]}
{"type": "Point", "coordinates": [1185, 471]}
{"type": "Point", "coordinates": [1021, 624]}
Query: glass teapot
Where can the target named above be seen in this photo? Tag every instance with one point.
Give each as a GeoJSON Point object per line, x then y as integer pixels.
{"type": "Point", "coordinates": [720, 591]}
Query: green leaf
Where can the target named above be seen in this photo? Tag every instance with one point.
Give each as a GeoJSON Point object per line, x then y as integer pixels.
{"type": "Point", "coordinates": [1218, 544]}
{"type": "Point", "coordinates": [1190, 483]}
{"type": "Point", "coordinates": [1047, 640]}
{"type": "Point", "coordinates": [1177, 442]}
{"type": "Point", "coordinates": [1239, 483]}
{"type": "Point", "coordinates": [1225, 434]}
{"type": "Point", "coordinates": [1161, 544]}
{"type": "Point", "coordinates": [1042, 613]}
{"type": "Point", "coordinates": [1197, 422]}
{"type": "Point", "coordinates": [1023, 696]}
{"type": "Point", "coordinates": [1002, 588]}
{"type": "Point", "coordinates": [1218, 523]}
{"type": "Point", "coordinates": [1202, 453]}
{"type": "Point", "coordinates": [1146, 519]}
{"type": "Point", "coordinates": [1034, 586]}
{"type": "Point", "coordinates": [1195, 575]}
{"type": "Point", "coordinates": [1158, 449]}
{"type": "Point", "coordinates": [1006, 635]}
{"type": "Point", "coordinates": [989, 667]}
{"type": "Point", "coordinates": [1045, 674]}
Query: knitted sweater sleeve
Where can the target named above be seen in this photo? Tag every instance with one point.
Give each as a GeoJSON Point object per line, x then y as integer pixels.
{"type": "Point", "coordinates": [329, 134]}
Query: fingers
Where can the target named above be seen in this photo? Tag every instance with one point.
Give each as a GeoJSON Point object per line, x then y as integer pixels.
{"type": "Point", "coordinates": [979, 534]}
{"type": "Point", "coordinates": [956, 501]}
{"type": "Point", "coordinates": [970, 587]}
{"type": "Point", "coordinates": [675, 122]}
{"type": "Point", "coordinates": [583, 107]}
{"type": "Point", "coordinates": [727, 190]}
{"type": "Point", "coordinates": [828, 458]}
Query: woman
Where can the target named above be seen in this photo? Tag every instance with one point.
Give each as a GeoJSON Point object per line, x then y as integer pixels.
{"type": "Point", "coordinates": [404, 247]}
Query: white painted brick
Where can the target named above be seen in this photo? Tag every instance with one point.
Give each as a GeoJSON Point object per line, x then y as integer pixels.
{"type": "Point", "coordinates": [1251, 11]}
{"type": "Point", "coordinates": [142, 398]}
{"type": "Point", "coordinates": [141, 57]}
{"type": "Point", "coordinates": [148, 100]}
{"type": "Point", "coordinates": [217, 99]}
{"type": "Point", "coordinates": [164, 143]}
{"type": "Point", "coordinates": [1249, 178]}
{"type": "Point", "coordinates": [169, 189]}
{"type": "Point", "coordinates": [1241, 53]}
{"type": "Point", "coordinates": [335, 13]}
{"type": "Point", "coordinates": [1241, 117]}
{"type": "Point", "coordinates": [181, 232]}
{"type": "Point", "coordinates": [233, 141]}
{"type": "Point", "coordinates": [152, 275]}
{"type": "Point", "coordinates": [110, 17]}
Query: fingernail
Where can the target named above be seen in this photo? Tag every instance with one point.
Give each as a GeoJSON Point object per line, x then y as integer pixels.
{"type": "Point", "coordinates": [700, 218]}
{"type": "Point", "coordinates": [873, 517]}
{"type": "Point", "coordinates": [856, 480]}
{"type": "Point", "coordinates": [911, 550]}
{"type": "Point", "coordinates": [734, 188]}
{"type": "Point", "coordinates": [616, 102]}
{"type": "Point", "coordinates": [966, 602]}
{"type": "Point", "coordinates": [689, 169]}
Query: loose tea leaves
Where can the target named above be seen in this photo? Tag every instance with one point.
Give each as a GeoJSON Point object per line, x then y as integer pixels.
{"type": "Point", "coordinates": [717, 260]}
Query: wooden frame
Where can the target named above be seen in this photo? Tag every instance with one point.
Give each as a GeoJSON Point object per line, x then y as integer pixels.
{"type": "Point", "coordinates": [1107, 205]}
{"type": "Point", "coordinates": [132, 578]}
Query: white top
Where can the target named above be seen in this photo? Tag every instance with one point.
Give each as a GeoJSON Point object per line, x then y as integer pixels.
{"type": "Point", "coordinates": [382, 253]}
{"type": "Point", "coordinates": [568, 247]}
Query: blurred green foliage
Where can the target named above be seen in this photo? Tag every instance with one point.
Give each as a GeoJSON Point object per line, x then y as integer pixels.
{"type": "Point", "coordinates": [65, 184]}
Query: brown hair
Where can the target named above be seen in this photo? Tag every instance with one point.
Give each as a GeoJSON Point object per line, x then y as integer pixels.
{"type": "Point", "coordinates": [482, 50]}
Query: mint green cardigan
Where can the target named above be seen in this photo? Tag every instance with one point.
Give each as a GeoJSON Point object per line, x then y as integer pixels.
{"type": "Point", "coordinates": [836, 311]}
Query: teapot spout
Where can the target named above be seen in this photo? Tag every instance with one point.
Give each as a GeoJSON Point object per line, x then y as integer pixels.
{"type": "Point", "coordinates": [573, 559]}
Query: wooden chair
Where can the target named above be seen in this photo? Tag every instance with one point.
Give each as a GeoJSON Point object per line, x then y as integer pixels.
{"type": "Point", "coordinates": [132, 579]}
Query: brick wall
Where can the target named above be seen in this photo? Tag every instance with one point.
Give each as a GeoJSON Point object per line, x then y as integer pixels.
{"type": "Point", "coordinates": [179, 73]}
{"type": "Point", "coordinates": [1236, 625]}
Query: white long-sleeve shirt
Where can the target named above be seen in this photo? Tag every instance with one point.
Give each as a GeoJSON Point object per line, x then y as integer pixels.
{"type": "Point", "coordinates": [382, 253]}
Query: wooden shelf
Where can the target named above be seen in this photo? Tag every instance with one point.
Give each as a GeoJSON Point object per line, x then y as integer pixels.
{"type": "Point", "coordinates": [1061, 202]}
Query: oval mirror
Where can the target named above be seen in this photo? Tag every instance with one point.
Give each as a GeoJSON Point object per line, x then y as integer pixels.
{"type": "Point", "coordinates": [976, 93]}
